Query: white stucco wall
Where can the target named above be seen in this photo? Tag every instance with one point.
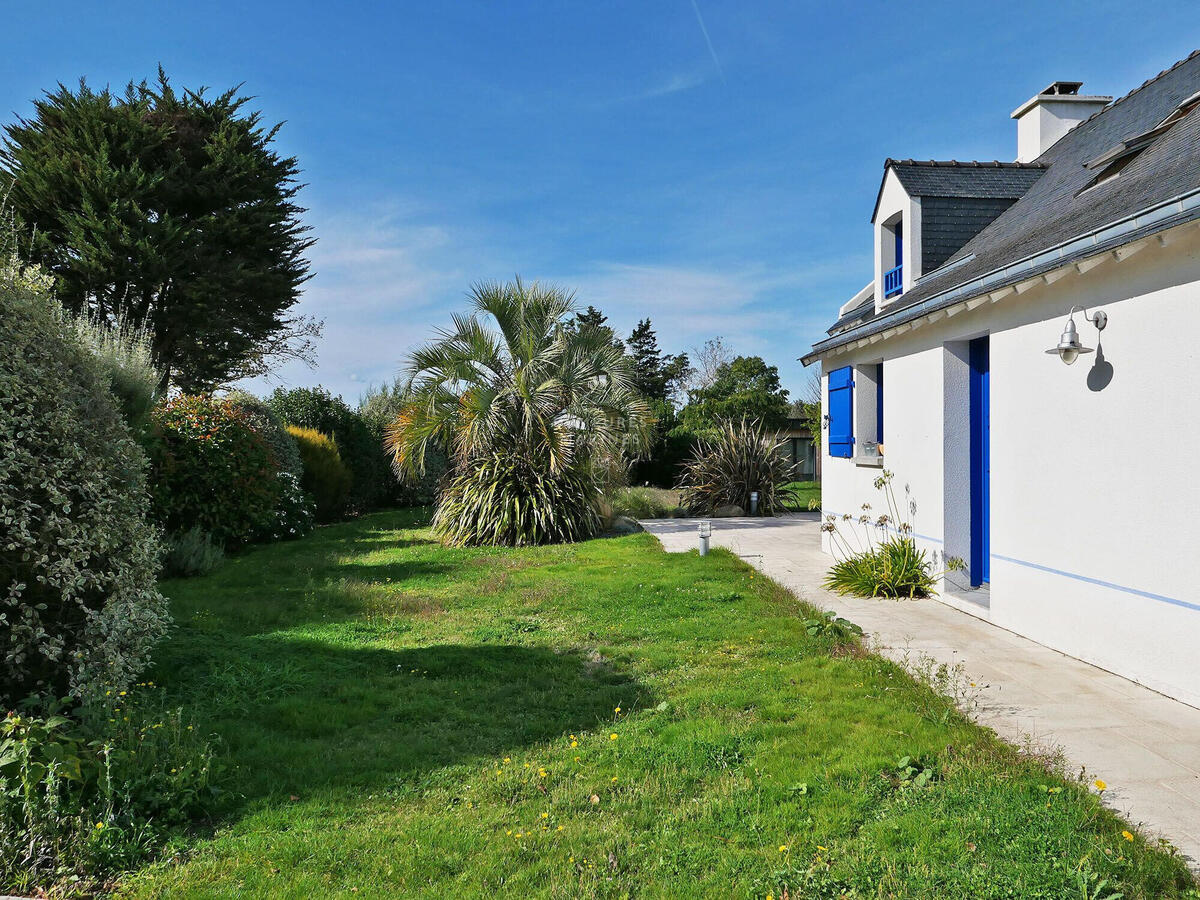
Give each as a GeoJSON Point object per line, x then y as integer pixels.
{"type": "Point", "coordinates": [1095, 512]}
{"type": "Point", "coordinates": [895, 202]}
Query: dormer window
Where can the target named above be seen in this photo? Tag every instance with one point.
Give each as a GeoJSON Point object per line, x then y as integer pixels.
{"type": "Point", "coordinates": [893, 278]}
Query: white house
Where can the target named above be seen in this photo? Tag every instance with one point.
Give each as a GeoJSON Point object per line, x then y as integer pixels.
{"type": "Point", "coordinates": [1070, 491]}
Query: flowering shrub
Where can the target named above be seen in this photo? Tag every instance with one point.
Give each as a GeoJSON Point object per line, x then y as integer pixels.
{"type": "Point", "coordinates": [294, 513]}
{"type": "Point", "coordinates": [325, 476]}
{"type": "Point", "coordinates": [212, 471]}
{"type": "Point", "coordinates": [79, 606]}
{"type": "Point", "coordinates": [882, 561]}
{"type": "Point", "coordinates": [273, 429]}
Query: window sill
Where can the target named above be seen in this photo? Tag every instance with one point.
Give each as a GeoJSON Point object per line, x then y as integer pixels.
{"type": "Point", "coordinates": [876, 461]}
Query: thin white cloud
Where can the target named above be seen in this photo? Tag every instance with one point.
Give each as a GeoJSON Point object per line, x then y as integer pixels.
{"type": "Point", "coordinates": [382, 284]}
{"type": "Point", "coordinates": [673, 85]}
{"type": "Point", "coordinates": [707, 40]}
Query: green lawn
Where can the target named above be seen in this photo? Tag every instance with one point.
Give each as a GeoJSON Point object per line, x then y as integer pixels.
{"type": "Point", "coordinates": [596, 720]}
{"type": "Point", "coordinates": [803, 493]}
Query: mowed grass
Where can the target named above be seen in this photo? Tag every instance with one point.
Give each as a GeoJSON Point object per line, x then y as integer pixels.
{"type": "Point", "coordinates": [596, 720]}
{"type": "Point", "coordinates": [804, 494]}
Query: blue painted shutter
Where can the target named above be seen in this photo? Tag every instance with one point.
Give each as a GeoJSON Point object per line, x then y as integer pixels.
{"type": "Point", "coordinates": [841, 412]}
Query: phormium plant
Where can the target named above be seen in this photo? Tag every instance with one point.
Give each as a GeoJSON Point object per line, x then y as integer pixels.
{"type": "Point", "coordinates": [744, 457]}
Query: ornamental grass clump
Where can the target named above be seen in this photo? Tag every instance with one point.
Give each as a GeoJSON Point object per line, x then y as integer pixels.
{"type": "Point", "coordinates": [532, 416]}
{"type": "Point", "coordinates": [881, 559]}
{"type": "Point", "coordinates": [742, 458]}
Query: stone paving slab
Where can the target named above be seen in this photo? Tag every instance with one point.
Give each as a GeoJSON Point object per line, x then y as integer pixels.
{"type": "Point", "coordinates": [1144, 745]}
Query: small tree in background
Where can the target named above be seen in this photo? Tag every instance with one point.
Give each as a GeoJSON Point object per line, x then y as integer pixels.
{"type": "Point", "coordinates": [745, 388]}
{"type": "Point", "coordinates": [168, 209]}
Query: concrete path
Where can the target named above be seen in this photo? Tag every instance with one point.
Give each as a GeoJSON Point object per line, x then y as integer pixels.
{"type": "Point", "coordinates": [1145, 746]}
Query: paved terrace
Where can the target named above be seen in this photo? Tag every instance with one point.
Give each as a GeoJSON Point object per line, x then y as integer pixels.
{"type": "Point", "coordinates": [1144, 745]}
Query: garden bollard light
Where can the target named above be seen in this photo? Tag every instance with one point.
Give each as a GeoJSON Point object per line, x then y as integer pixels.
{"type": "Point", "coordinates": [705, 532]}
{"type": "Point", "coordinates": [754, 503]}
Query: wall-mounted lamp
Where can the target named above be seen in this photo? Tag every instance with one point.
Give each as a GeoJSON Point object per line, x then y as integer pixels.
{"type": "Point", "coordinates": [1069, 348]}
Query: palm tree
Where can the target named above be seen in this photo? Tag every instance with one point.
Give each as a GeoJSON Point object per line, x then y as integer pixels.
{"type": "Point", "coordinates": [534, 417]}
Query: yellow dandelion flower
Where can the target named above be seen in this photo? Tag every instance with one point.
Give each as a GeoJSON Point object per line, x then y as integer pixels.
{"type": "Point", "coordinates": [560, 828]}
{"type": "Point", "coordinates": [509, 831]}
{"type": "Point", "coordinates": [508, 759]}
{"type": "Point", "coordinates": [99, 825]}
{"type": "Point", "coordinates": [618, 709]}
{"type": "Point", "coordinates": [613, 736]}
{"type": "Point", "coordinates": [574, 743]}
{"type": "Point", "coordinates": [1100, 785]}
{"type": "Point", "coordinates": [783, 848]}
{"type": "Point", "coordinates": [545, 815]}
{"type": "Point", "coordinates": [1128, 835]}
{"type": "Point", "coordinates": [819, 847]}
{"type": "Point", "coordinates": [497, 771]}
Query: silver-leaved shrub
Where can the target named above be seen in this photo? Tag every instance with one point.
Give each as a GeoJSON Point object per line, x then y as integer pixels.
{"type": "Point", "coordinates": [79, 609]}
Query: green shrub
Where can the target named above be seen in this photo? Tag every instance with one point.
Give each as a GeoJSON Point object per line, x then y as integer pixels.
{"type": "Point", "coordinates": [212, 471]}
{"type": "Point", "coordinates": [325, 477]}
{"type": "Point", "coordinates": [124, 352]}
{"type": "Point", "coordinates": [189, 553]}
{"type": "Point", "coordinates": [509, 500]}
{"type": "Point", "coordinates": [79, 607]}
{"type": "Point", "coordinates": [295, 512]}
{"type": "Point", "coordinates": [360, 446]}
{"type": "Point", "coordinates": [742, 458]}
{"type": "Point", "coordinates": [380, 406]}
{"type": "Point", "coordinates": [83, 800]}
{"type": "Point", "coordinates": [263, 419]}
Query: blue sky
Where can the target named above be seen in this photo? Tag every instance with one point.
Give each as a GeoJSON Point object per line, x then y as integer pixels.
{"type": "Point", "coordinates": [719, 184]}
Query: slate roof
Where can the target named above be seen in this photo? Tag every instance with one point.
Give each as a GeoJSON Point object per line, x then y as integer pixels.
{"type": "Point", "coordinates": [950, 178]}
{"type": "Point", "coordinates": [1059, 207]}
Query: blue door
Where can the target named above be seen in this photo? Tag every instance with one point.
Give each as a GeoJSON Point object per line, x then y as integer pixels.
{"type": "Point", "coordinates": [981, 463]}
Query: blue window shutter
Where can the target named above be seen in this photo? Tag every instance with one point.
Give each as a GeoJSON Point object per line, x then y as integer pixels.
{"type": "Point", "coordinates": [841, 412]}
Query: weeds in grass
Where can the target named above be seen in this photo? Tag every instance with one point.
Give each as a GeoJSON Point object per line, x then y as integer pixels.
{"type": "Point", "coordinates": [472, 753]}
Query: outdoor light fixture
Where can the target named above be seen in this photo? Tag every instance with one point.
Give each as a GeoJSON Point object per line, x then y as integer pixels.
{"type": "Point", "coordinates": [1069, 348]}
{"type": "Point", "coordinates": [705, 534]}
